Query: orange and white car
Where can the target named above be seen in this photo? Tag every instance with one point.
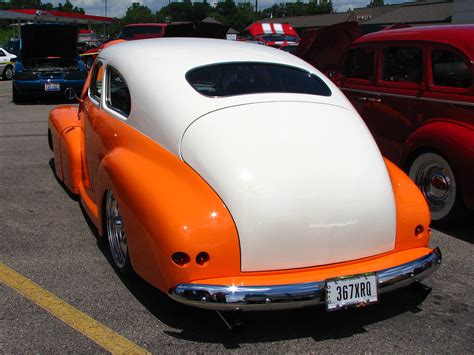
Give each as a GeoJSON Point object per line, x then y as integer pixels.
{"type": "Point", "coordinates": [234, 176]}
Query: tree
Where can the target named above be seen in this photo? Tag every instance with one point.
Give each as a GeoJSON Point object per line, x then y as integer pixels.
{"type": "Point", "coordinates": [376, 3]}
{"type": "Point", "coordinates": [137, 13]}
{"type": "Point", "coordinates": [67, 7]}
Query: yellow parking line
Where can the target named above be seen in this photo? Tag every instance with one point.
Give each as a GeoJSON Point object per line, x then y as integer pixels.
{"type": "Point", "coordinates": [97, 332]}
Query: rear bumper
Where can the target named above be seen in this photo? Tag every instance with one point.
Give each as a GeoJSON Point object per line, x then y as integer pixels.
{"type": "Point", "coordinates": [257, 298]}
{"type": "Point", "coordinates": [36, 87]}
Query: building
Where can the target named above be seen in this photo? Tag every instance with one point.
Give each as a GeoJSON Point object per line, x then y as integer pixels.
{"type": "Point", "coordinates": [419, 13]}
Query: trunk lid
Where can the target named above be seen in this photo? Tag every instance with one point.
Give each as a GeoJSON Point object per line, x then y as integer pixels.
{"type": "Point", "coordinates": [305, 182]}
{"type": "Point", "coordinates": [48, 41]}
{"type": "Point", "coordinates": [324, 47]}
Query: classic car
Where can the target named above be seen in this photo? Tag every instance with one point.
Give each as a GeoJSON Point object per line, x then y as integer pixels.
{"type": "Point", "coordinates": [6, 64]}
{"type": "Point", "coordinates": [44, 68]}
{"type": "Point", "coordinates": [235, 176]}
{"type": "Point", "coordinates": [273, 34]}
{"type": "Point", "coordinates": [413, 87]}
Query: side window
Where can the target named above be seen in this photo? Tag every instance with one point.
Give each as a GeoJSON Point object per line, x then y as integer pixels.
{"type": "Point", "coordinates": [402, 64]}
{"type": "Point", "coordinates": [96, 82]}
{"type": "Point", "coordinates": [118, 97]}
{"type": "Point", "coordinates": [2, 54]}
{"type": "Point", "coordinates": [449, 69]}
{"type": "Point", "coordinates": [359, 63]}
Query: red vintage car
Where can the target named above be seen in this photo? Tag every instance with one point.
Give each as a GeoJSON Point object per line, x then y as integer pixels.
{"type": "Point", "coordinates": [414, 89]}
{"type": "Point", "coordinates": [278, 35]}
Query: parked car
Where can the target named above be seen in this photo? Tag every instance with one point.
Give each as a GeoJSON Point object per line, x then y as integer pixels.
{"type": "Point", "coordinates": [12, 46]}
{"type": "Point", "coordinates": [417, 98]}
{"type": "Point", "coordinates": [44, 68]}
{"type": "Point", "coordinates": [6, 64]}
{"type": "Point", "coordinates": [278, 35]}
{"type": "Point", "coordinates": [257, 187]}
{"type": "Point", "coordinates": [413, 87]}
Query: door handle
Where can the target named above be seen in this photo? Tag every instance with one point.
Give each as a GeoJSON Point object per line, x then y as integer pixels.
{"type": "Point", "coordinates": [362, 98]}
{"type": "Point", "coordinates": [374, 99]}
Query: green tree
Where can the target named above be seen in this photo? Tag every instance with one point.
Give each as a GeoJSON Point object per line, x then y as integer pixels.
{"type": "Point", "coordinates": [137, 13]}
{"type": "Point", "coordinates": [376, 3]}
{"type": "Point", "coordinates": [67, 7]}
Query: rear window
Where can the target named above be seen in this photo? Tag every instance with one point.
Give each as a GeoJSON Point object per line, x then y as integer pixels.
{"type": "Point", "coordinates": [449, 69]}
{"type": "Point", "coordinates": [251, 78]}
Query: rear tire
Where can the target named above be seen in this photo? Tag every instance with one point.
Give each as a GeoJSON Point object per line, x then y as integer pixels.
{"type": "Point", "coordinates": [436, 180]}
{"type": "Point", "coordinates": [116, 235]}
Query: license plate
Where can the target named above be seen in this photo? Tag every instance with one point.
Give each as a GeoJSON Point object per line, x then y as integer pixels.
{"type": "Point", "coordinates": [352, 291]}
{"type": "Point", "coordinates": [52, 87]}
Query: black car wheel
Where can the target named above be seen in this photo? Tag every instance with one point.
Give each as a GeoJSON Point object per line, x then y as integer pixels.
{"type": "Point", "coordinates": [7, 73]}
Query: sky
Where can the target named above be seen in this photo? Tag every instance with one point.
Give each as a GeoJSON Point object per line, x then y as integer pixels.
{"type": "Point", "coordinates": [117, 8]}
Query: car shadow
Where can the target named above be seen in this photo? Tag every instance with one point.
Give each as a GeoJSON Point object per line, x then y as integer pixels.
{"type": "Point", "coordinates": [193, 324]}
{"type": "Point", "coordinates": [463, 231]}
{"type": "Point", "coordinates": [204, 326]}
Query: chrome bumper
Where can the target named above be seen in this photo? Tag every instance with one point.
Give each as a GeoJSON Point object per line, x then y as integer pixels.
{"type": "Point", "coordinates": [256, 298]}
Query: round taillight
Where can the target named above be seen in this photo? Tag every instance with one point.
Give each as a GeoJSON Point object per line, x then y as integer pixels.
{"type": "Point", "coordinates": [419, 229]}
{"type": "Point", "coordinates": [202, 258]}
{"type": "Point", "coordinates": [180, 258]}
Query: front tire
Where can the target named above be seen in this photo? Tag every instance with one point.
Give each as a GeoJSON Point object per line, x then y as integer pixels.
{"type": "Point", "coordinates": [8, 73]}
{"type": "Point", "coordinates": [436, 180]}
{"type": "Point", "coordinates": [116, 235]}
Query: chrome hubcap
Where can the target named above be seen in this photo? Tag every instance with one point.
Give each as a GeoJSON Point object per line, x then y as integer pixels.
{"type": "Point", "coordinates": [435, 183]}
{"type": "Point", "coordinates": [115, 231]}
{"type": "Point", "coordinates": [8, 74]}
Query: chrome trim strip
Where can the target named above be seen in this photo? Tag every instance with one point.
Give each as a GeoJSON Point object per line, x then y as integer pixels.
{"type": "Point", "coordinates": [447, 101]}
{"type": "Point", "coordinates": [257, 298]}
{"type": "Point", "coordinates": [420, 98]}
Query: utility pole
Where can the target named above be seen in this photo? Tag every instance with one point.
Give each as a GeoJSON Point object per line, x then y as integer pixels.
{"type": "Point", "coordinates": [256, 9]}
{"type": "Point", "coordinates": [105, 26]}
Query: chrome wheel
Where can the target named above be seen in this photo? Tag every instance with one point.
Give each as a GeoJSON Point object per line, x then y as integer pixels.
{"type": "Point", "coordinates": [8, 73]}
{"type": "Point", "coordinates": [436, 180]}
{"type": "Point", "coordinates": [116, 233]}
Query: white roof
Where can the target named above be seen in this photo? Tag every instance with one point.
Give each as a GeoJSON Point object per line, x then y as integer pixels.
{"type": "Point", "coordinates": [164, 104]}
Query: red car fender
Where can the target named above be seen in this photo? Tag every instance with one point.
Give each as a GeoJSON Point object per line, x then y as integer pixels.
{"type": "Point", "coordinates": [454, 141]}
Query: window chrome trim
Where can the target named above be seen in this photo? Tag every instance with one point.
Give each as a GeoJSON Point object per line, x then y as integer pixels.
{"type": "Point", "coordinates": [93, 99]}
{"type": "Point", "coordinates": [106, 97]}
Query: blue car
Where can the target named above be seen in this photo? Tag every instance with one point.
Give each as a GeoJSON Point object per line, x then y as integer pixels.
{"type": "Point", "coordinates": [48, 64]}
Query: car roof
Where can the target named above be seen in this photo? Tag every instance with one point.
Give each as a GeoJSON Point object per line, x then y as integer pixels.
{"type": "Point", "coordinates": [183, 54]}
{"type": "Point", "coordinates": [459, 36]}
{"type": "Point", "coordinates": [165, 104]}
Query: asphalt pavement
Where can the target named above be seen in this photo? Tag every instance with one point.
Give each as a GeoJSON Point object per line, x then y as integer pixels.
{"type": "Point", "coordinates": [45, 236]}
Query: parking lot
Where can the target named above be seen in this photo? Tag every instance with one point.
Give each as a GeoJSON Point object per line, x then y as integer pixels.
{"type": "Point", "coordinates": [87, 307]}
